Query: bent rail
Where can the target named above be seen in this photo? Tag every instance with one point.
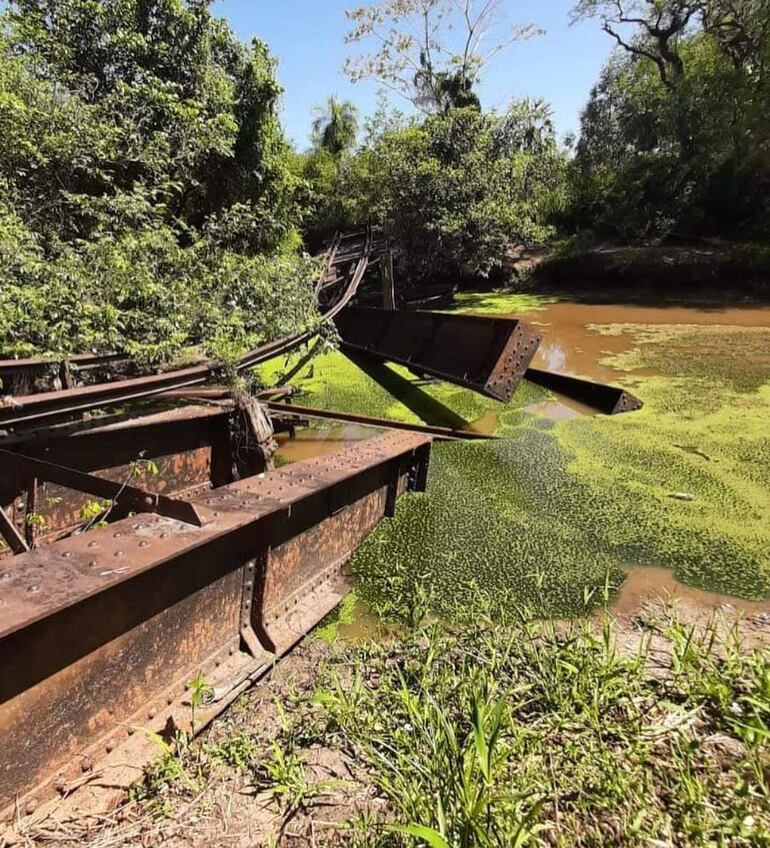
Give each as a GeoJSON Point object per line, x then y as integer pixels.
{"type": "Point", "coordinates": [49, 406]}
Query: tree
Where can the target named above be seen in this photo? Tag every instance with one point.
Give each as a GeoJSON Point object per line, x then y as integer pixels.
{"type": "Point", "coordinates": [148, 203]}
{"type": "Point", "coordinates": [528, 127]}
{"type": "Point", "coordinates": [335, 129]}
{"type": "Point", "coordinates": [657, 25]}
{"type": "Point", "coordinates": [685, 153]}
{"type": "Point", "coordinates": [742, 28]}
{"type": "Point", "coordinates": [455, 202]}
{"type": "Point", "coordinates": [432, 52]}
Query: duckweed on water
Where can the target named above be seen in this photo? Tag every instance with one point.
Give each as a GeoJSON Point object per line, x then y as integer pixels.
{"type": "Point", "coordinates": [332, 381]}
{"type": "Point", "coordinates": [738, 356]}
{"type": "Point", "coordinates": [500, 303]}
{"type": "Point", "coordinates": [547, 516]}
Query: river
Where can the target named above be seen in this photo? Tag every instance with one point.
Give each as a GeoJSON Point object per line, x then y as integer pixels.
{"type": "Point", "coordinates": [671, 501]}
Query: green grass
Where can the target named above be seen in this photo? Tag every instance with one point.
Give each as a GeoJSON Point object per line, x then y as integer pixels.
{"type": "Point", "coordinates": [525, 735]}
{"type": "Point", "coordinates": [518, 733]}
{"type": "Point", "coordinates": [343, 614]}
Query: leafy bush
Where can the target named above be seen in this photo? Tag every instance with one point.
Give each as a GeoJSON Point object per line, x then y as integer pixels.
{"type": "Point", "coordinates": [454, 192]}
{"type": "Point", "coordinates": [149, 203]}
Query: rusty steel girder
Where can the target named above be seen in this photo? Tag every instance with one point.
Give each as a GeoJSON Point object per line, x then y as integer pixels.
{"type": "Point", "coordinates": [191, 449]}
{"type": "Point", "coordinates": [101, 634]}
{"type": "Point", "coordinates": [487, 355]}
{"type": "Point", "coordinates": [610, 400]}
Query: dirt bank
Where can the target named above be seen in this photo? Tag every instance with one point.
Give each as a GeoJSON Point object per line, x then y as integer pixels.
{"type": "Point", "coordinates": [709, 272]}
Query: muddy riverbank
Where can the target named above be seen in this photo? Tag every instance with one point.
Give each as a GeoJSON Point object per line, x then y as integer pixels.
{"type": "Point", "coordinates": [708, 272]}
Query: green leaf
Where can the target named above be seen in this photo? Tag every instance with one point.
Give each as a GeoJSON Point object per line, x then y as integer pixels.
{"type": "Point", "coordinates": [427, 834]}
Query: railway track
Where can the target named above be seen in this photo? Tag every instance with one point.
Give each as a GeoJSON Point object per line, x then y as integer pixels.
{"type": "Point", "coordinates": [150, 546]}
{"type": "Point", "coordinates": [347, 259]}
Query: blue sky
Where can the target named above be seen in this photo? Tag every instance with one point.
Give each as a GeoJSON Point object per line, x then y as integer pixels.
{"type": "Point", "coordinates": [307, 36]}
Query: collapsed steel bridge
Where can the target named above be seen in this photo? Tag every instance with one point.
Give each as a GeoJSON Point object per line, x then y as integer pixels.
{"type": "Point", "coordinates": [155, 542]}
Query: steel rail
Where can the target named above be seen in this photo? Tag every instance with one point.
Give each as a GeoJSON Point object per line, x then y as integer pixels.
{"type": "Point", "coordinates": [440, 433]}
{"type": "Point", "coordinates": [47, 405]}
{"type": "Point", "coordinates": [10, 367]}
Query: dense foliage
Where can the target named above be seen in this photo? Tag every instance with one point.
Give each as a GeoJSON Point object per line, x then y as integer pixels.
{"type": "Point", "coordinates": [454, 191]}
{"type": "Point", "coordinates": [676, 135]}
{"type": "Point", "coordinates": [147, 198]}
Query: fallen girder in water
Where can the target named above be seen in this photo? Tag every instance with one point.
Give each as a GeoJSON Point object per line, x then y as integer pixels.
{"type": "Point", "coordinates": [487, 355]}
{"type": "Point", "coordinates": [609, 400]}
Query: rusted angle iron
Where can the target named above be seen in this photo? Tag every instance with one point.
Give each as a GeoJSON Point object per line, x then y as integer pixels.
{"type": "Point", "coordinates": [121, 497]}
{"type": "Point", "coordinates": [487, 355]}
{"type": "Point", "coordinates": [610, 400]}
{"type": "Point", "coordinates": [101, 634]}
{"type": "Point", "coordinates": [11, 535]}
{"type": "Point", "coordinates": [178, 452]}
{"type": "Point", "coordinates": [440, 433]}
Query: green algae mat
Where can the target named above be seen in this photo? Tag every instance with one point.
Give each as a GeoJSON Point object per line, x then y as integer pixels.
{"type": "Point", "coordinates": [548, 516]}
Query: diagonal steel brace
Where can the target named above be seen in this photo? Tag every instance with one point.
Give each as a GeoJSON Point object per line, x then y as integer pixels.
{"type": "Point", "coordinates": [126, 498]}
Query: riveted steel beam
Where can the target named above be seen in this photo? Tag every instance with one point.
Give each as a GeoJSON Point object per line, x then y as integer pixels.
{"type": "Point", "coordinates": [178, 452]}
{"type": "Point", "coordinates": [101, 633]}
{"type": "Point", "coordinates": [488, 355]}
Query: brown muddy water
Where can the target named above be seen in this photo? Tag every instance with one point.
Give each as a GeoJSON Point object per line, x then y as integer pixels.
{"type": "Point", "coordinates": [310, 442]}
{"type": "Point", "coordinates": [650, 583]}
{"type": "Point", "coordinates": [571, 345]}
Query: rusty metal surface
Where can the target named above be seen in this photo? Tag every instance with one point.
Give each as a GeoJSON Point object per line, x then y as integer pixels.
{"type": "Point", "coordinates": [79, 360]}
{"type": "Point", "coordinates": [122, 497]}
{"type": "Point", "coordinates": [100, 633]}
{"type": "Point", "coordinates": [189, 448]}
{"type": "Point", "coordinates": [488, 355]}
{"type": "Point", "coordinates": [11, 535]}
{"type": "Point", "coordinates": [610, 400]}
